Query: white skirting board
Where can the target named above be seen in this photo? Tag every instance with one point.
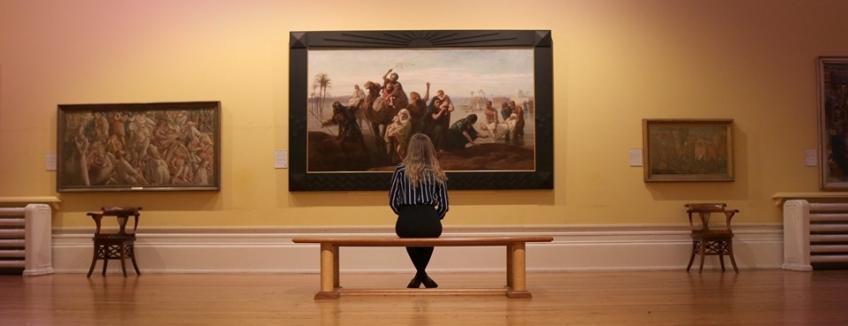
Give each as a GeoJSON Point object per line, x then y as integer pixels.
{"type": "Point", "coordinates": [575, 248]}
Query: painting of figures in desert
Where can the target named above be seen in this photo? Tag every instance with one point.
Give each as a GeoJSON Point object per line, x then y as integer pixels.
{"type": "Point", "coordinates": [476, 105]}
{"type": "Point", "coordinates": [123, 148]}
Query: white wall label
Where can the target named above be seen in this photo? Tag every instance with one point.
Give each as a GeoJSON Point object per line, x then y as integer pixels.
{"type": "Point", "coordinates": [811, 157]}
{"type": "Point", "coordinates": [281, 159]}
{"type": "Point", "coordinates": [634, 157]}
{"type": "Point", "coordinates": [50, 162]}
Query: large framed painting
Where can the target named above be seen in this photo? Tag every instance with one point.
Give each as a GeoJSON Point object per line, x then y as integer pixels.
{"type": "Point", "coordinates": [688, 149]}
{"type": "Point", "coordinates": [484, 97]}
{"type": "Point", "coordinates": [139, 147]}
{"type": "Point", "coordinates": [833, 122]}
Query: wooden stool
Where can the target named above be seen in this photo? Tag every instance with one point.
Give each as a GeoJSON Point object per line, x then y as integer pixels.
{"type": "Point", "coordinates": [711, 241]}
{"type": "Point", "coordinates": [115, 245]}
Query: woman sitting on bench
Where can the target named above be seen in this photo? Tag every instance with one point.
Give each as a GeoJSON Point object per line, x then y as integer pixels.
{"type": "Point", "coordinates": [419, 196]}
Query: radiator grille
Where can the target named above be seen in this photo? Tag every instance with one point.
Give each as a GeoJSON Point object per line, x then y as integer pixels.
{"type": "Point", "coordinates": [12, 240]}
{"type": "Point", "coordinates": [829, 235]}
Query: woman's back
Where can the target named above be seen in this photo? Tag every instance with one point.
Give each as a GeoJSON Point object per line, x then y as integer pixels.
{"type": "Point", "coordinates": [429, 190]}
{"type": "Point", "coordinates": [419, 197]}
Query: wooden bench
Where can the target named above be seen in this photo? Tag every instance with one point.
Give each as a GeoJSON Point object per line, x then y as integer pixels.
{"type": "Point", "coordinates": [515, 263]}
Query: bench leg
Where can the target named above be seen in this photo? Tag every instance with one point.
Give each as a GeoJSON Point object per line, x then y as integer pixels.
{"type": "Point", "coordinates": [517, 280]}
{"type": "Point", "coordinates": [336, 267]}
{"type": "Point", "coordinates": [329, 272]}
{"type": "Point", "coordinates": [509, 266]}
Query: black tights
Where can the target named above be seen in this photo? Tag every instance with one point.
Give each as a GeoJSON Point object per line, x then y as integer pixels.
{"type": "Point", "coordinates": [419, 221]}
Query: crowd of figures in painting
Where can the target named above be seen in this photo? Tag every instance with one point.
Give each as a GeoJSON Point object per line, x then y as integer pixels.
{"type": "Point", "coordinates": [139, 148]}
{"type": "Point", "coordinates": [371, 123]}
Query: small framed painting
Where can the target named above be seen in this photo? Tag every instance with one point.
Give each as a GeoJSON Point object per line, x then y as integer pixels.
{"type": "Point", "coordinates": [688, 149]}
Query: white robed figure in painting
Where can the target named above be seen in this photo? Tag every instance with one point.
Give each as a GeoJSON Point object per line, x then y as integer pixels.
{"type": "Point", "coordinates": [397, 135]}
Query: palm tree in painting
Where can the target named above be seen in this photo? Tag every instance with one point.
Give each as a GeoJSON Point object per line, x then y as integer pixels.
{"type": "Point", "coordinates": [322, 82]}
{"type": "Point", "coordinates": [312, 100]}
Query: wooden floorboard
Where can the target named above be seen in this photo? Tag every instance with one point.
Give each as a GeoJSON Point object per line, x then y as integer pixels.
{"type": "Point", "coordinates": [766, 297]}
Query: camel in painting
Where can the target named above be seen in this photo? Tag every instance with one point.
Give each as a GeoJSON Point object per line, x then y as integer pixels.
{"type": "Point", "coordinates": [378, 112]}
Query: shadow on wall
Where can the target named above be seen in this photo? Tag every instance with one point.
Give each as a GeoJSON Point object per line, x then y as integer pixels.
{"type": "Point", "coordinates": [739, 189]}
{"type": "Point", "coordinates": [381, 198]}
{"type": "Point", "coordinates": [167, 201]}
{"type": "Point", "coordinates": [696, 191]}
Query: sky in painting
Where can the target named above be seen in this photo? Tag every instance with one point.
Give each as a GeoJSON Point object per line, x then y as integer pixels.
{"type": "Point", "coordinates": [498, 72]}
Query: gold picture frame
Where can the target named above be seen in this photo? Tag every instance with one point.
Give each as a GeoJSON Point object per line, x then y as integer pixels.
{"type": "Point", "coordinates": [139, 147]}
{"type": "Point", "coordinates": [679, 150]}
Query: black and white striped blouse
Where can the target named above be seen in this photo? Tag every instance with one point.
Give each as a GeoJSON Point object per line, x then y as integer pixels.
{"type": "Point", "coordinates": [430, 191]}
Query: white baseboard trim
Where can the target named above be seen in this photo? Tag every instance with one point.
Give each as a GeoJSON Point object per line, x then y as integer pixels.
{"type": "Point", "coordinates": [575, 248]}
{"type": "Point", "coordinates": [798, 267]}
{"type": "Point", "coordinates": [37, 272]}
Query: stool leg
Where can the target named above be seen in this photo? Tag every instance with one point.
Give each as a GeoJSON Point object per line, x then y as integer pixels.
{"type": "Point", "coordinates": [730, 253]}
{"type": "Point", "coordinates": [701, 252]}
{"type": "Point", "coordinates": [132, 257]}
{"type": "Point", "coordinates": [93, 262]}
{"type": "Point", "coordinates": [105, 262]}
{"type": "Point", "coordinates": [123, 258]}
{"type": "Point", "coordinates": [692, 256]}
{"type": "Point", "coordinates": [336, 267]}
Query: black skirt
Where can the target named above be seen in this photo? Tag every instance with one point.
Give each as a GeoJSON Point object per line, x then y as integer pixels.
{"type": "Point", "coordinates": [419, 221]}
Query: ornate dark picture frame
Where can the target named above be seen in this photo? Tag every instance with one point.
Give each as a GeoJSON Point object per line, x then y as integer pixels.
{"type": "Point", "coordinates": [833, 122]}
{"type": "Point", "coordinates": [303, 88]}
{"type": "Point", "coordinates": [688, 150]}
{"type": "Point", "coordinates": [139, 147]}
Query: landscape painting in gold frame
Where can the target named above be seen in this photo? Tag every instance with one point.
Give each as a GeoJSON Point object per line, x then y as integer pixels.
{"type": "Point", "coordinates": [688, 149]}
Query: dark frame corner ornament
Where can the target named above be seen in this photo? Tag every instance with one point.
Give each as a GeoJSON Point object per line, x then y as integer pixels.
{"type": "Point", "coordinates": [537, 40]}
{"type": "Point", "coordinates": [191, 130]}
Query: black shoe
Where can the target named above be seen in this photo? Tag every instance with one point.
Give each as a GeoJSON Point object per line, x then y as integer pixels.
{"type": "Point", "coordinates": [414, 283]}
{"type": "Point", "coordinates": [428, 282]}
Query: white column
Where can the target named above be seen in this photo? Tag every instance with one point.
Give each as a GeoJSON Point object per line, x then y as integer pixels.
{"type": "Point", "coordinates": [39, 239]}
{"type": "Point", "coordinates": [796, 235]}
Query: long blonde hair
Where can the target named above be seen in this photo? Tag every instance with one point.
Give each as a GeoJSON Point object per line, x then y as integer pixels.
{"type": "Point", "coordinates": [421, 157]}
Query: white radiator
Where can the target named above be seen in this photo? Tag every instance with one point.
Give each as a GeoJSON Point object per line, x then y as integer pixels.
{"type": "Point", "coordinates": [814, 234]}
{"type": "Point", "coordinates": [25, 239]}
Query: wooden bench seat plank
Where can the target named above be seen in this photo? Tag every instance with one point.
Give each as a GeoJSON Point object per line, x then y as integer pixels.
{"type": "Point", "coordinates": [420, 242]}
{"type": "Point", "coordinates": [515, 263]}
{"type": "Point", "coordinates": [407, 292]}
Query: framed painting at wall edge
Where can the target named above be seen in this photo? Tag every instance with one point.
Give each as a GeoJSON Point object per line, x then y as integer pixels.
{"type": "Point", "coordinates": [485, 98]}
{"type": "Point", "coordinates": [688, 150]}
{"type": "Point", "coordinates": [833, 122]}
{"type": "Point", "coordinates": [139, 147]}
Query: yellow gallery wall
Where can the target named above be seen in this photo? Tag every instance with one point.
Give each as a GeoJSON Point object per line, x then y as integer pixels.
{"type": "Point", "coordinates": [615, 63]}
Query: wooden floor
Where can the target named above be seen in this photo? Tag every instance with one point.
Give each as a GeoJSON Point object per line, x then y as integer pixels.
{"type": "Point", "coordinates": [586, 298]}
